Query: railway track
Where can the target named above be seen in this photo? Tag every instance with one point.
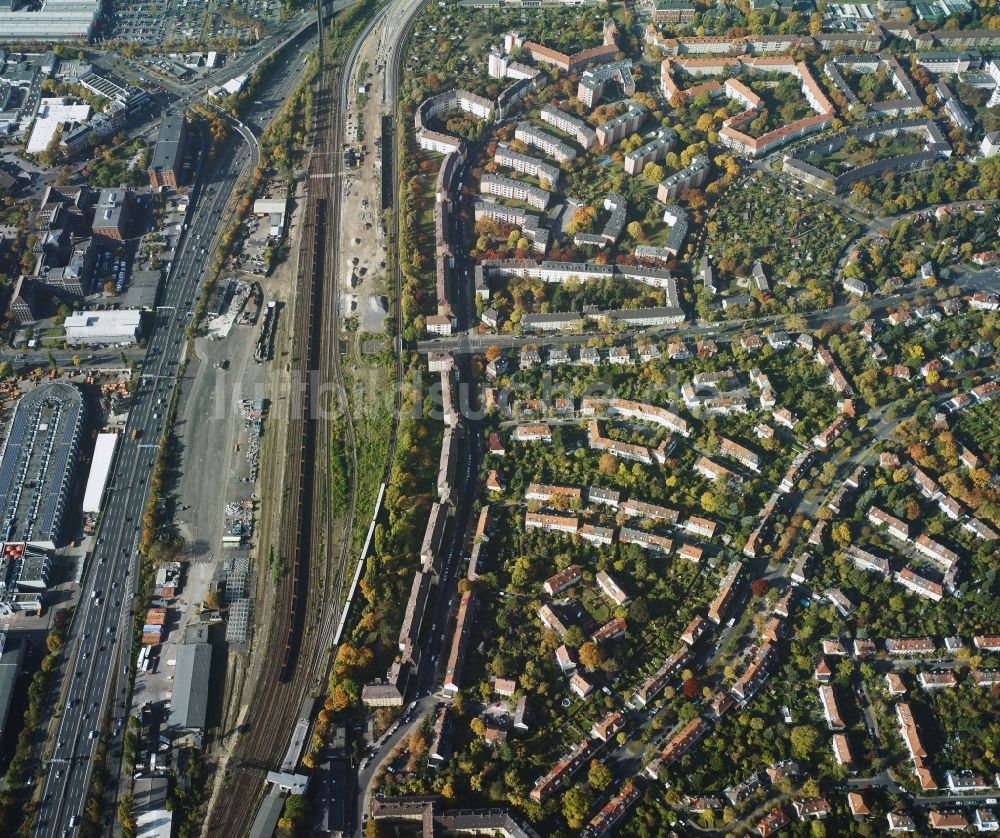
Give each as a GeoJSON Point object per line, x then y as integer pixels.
{"type": "Point", "coordinates": [297, 648]}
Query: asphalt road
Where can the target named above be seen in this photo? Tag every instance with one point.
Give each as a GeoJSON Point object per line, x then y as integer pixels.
{"type": "Point", "coordinates": [101, 628]}
{"type": "Point", "coordinates": [472, 341]}
{"type": "Point", "coordinates": [436, 643]}
{"type": "Point", "coordinates": [101, 625]}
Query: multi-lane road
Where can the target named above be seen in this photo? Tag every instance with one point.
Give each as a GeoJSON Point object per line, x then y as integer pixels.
{"type": "Point", "coordinates": [99, 641]}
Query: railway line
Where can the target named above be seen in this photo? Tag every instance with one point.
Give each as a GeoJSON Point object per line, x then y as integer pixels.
{"type": "Point", "coordinates": [296, 657]}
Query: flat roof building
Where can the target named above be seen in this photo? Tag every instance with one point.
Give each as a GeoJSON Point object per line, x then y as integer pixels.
{"type": "Point", "coordinates": [165, 164]}
{"type": "Point", "coordinates": [38, 462]}
{"type": "Point", "coordinates": [189, 703]}
{"type": "Point", "coordinates": [103, 327]}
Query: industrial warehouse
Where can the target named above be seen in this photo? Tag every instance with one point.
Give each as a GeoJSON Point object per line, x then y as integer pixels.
{"type": "Point", "coordinates": [38, 461]}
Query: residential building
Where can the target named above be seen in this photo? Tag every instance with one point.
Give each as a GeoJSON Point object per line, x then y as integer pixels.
{"type": "Point", "coordinates": [165, 164]}
{"type": "Point", "coordinates": [831, 712]}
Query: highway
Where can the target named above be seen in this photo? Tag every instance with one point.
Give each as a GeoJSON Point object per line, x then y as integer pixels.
{"type": "Point", "coordinates": [98, 645]}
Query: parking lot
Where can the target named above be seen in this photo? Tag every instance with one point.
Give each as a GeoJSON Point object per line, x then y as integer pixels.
{"type": "Point", "coordinates": [152, 23]}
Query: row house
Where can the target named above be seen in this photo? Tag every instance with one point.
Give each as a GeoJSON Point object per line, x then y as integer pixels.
{"type": "Point", "coordinates": [910, 646]}
{"type": "Point", "coordinates": [712, 470]}
{"type": "Point", "coordinates": [986, 677]}
{"type": "Point", "coordinates": [831, 712]}
{"type": "Point", "coordinates": [612, 813]}
{"type": "Point", "coordinates": [611, 589]}
{"type": "Point", "coordinates": [725, 593]}
{"type": "Point", "coordinates": [864, 647]}
{"type": "Point", "coordinates": [654, 684]}
{"type": "Point", "coordinates": [920, 585]}
{"type": "Point", "coordinates": [622, 450]}
{"type": "Point", "coordinates": [611, 630]}
{"type": "Point", "coordinates": [721, 704]}
{"type": "Point", "coordinates": [700, 526]}
{"type": "Point", "coordinates": [459, 644]}
{"type": "Point", "coordinates": [695, 629]}
{"type": "Point", "coordinates": [980, 530]}
{"type": "Point", "coordinates": [755, 675]}
{"type": "Point", "coordinates": [842, 751]}
{"type": "Point", "coordinates": [430, 546]}
{"type": "Point", "coordinates": [640, 509]}
{"type": "Point", "coordinates": [546, 493]}
{"type": "Point", "coordinates": [947, 821]}
{"type": "Point", "coordinates": [637, 410]}
{"type": "Point", "coordinates": [608, 726]}
{"type": "Point", "coordinates": [894, 525]}
{"type": "Point", "coordinates": [596, 535]}
{"type": "Point", "coordinates": [480, 540]}
{"type": "Point", "coordinates": [795, 470]}
{"type": "Point", "coordinates": [817, 533]}
{"type": "Point", "coordinates": [937, 680]}
{"type": "Point", "coordinates": [987, 642]}
{"type": "Point", "coordinates": [604, 497]}
{"type": "Point", "coordinates": [563, 770]}
{"type": "Point", "coordinates": [910, 735]}
{"type": "Point", "coordinates": [864, 560]}
{"type": "Point", "coordinates": [740, 453]}
{"type": "Point", "coordinates": [551, 523]}
{"type": "Point", "coordinates": [935, 551]}
{"type": "Point", "coordinates": [563, 580]}
{"type": "Point", "coordinates": [532, 433]}
{"type": "Point", "coordinates": [551, 620]}
{"type": "Point", "coordinates": [645, 540]}
{"type": "Point", "coordinates": [823, 439]}
{"type": "Point", "coordinates": [683, 740]}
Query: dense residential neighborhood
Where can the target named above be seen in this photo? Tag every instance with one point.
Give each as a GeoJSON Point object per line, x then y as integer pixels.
{"type": "Point", "coordinates": [619, 452]}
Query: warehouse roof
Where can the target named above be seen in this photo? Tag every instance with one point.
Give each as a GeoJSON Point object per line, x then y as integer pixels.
{"type": "Point", "coordinates": [189, 704]}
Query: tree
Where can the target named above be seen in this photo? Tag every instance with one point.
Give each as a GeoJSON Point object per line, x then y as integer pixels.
{"type": "Point", "coordinates": [576, 804]}
{"type": "Point", "coordinates": [804, 740]}
{"type": "Point", "coordinates": [691, 688]}
{"type": "Point", "coordinates": [635, 230]}
{"type": "Point", "coordinates": [598, 776]}
{"type": "Point", "coordinates": [759, 587]}
{"type": "Point", "coordinates": [860, 312]}
{"type": "Point", "coordinates": [591, 655]}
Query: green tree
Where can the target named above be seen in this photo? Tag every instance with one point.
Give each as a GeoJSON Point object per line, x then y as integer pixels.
{"type": "Point", "coordinates": [576, 804]}
{"type": "Point", "coordinates": [804, 740]}
{"type": "Point", "coordinates": [598, 776]}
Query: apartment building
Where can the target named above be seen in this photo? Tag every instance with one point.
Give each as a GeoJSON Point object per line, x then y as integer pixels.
{"type": "Point", "coordinates": [576, 128]}
{"type": "Point", "coordinates": [506, 187]}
